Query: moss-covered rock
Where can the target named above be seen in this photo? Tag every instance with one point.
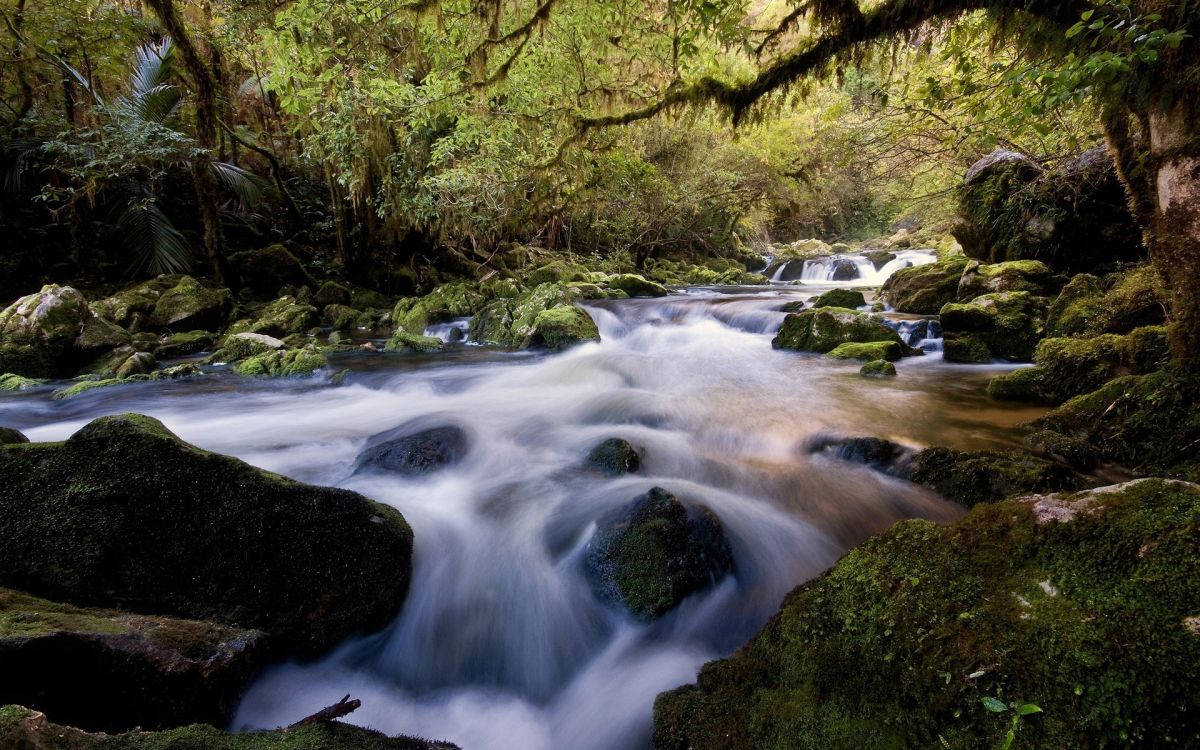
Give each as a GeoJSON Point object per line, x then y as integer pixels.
{"type": "Point", "coordinates": [492, 324]}
{"type": "Point", "coordinates": [1119, 303]}
{"type": "Point", "coordinates": [636, 286]}
{"type": "Point", "coordinates": [9, 436]}
{"type": "Point", "coordinates": [134, 305]}
{"type": "Point", "coordinates": [1031, 276]}
{"type": "Point", "coordinates": [38, 333]}
{"type": "Point", "coordinates": [189, 306]}
{"type": "Point", "coordinates": [284, 317]}
{"type": "Point", "coordinates": [402, 341]}
{"type": "Point", "coordinates": [98, 336]}
{"type": "Point", "coordinates": [614, 457]}
{"type": "Point", "coordinates": [124, 514]}
{"type": "Point", "coordinates": [344, 318]}
{"type": "Point", "coordinates": [878, 368]}
{"type": "Point", "coordinates": [184, 344]}
{"type": "Point", "coordinates": [1073, 218]}
{"type": "Point", "coordinates": [889, 351]}
{"type": "Point", "coordinates": [241, 346]}
{"type": "Point", "coordinates": [333, 293]}
{"type": "Point", "coordinates": [1079, 604]}
{"type": "Point", "coordinates": [264, 271]}
{"type": "Point", "coordinates": [825, 329]}
{"type": "Point", "coordinates": [969, 478]}
{"type": "Point", "coordinates": [11, 382]}
{"type": "Point", "coordinates": [24, 729]}
{"type": "Point", "coordinates": [847, 298]}
{"type": "Point", "coordinates": [1008, 324]}
{"type": "Point", "coordinates": [925, 289]}
{"type": "Point", "coordinates": [560, 327]}
{"type": "Point", "coordinates": [654, 552]}
{"type": "Point", "coordinates": [1024, 384]}
{"type": "Point", "coordinates": [1148, 423]}
{"type": "Point", "coordinates": [448, 301]}
{"type": "Point", "coordinates": [111, 670]}
{"type": "Point", "coordinates": [556, 272]}
{"type": "Point", "coordinates": [283, 363]}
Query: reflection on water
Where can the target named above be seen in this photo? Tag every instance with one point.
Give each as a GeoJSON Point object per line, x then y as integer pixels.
{"type": "Point", "coordinates": [501, 643]}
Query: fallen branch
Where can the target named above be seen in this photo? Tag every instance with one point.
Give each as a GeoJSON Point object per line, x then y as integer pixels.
{"type": "Point", "coordinates": [329, 713]}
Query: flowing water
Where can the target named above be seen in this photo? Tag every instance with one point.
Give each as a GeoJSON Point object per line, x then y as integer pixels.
{"type": "Point", "coordinates": [501, 643]}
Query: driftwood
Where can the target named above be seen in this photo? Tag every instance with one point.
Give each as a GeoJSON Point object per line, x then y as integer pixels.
{"type": "Point", "coordinates": [329, 713]}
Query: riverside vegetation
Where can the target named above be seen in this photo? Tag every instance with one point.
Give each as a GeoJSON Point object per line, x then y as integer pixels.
{"type": "Point", "coordinates": [229, 196]}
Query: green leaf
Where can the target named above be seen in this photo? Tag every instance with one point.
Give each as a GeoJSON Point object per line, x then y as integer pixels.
{"type": "Point", "coordinates": [994, 705]}
{"type": "Point", "coordinates": [1028, 708]}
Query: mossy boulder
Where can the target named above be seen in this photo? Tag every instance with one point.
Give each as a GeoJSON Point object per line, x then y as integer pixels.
{"type": "Point", "coordinates": [283, 363]}
{"type": "Point", "coordinates": [825, 329]}
{"type": "Point", "coordinates": [492, 324]}
{"type": "Point", "coordinates": [98, 336]}
{"type": "Point", "coordinates": [402, 341]}
{"type": "Point", "coordinates": [636, 286]}
{"type": "Point", "coordinates": [264, 271]}
{"type": "Point", "coordinates": [1147, 423]}
{"type": "Point", "coordinates": [410, 450]}
{"type": "Point", "coordinates": [186, 343]}
{"type": "Point", "coordinates": [924, 290]}
{"type": "Point", "coordinates": [1031, 276]}
{"type": "Point", "coordinates": [344, 318]}
{"type": "Point", "coordinates": [1119, 303]}
{"type": "Point", "coordinates": [11, 382]}
{"type": "Point", "coordinates": [614, 457]}
{"type": "Point", "coordinates": [560, 327]}
{"type": "Point", "coordinates": [131, 307]}
{"type": "Point", "coordinates": [651, 554]}
{"type": "Point", "coordinates": [52, 333]}
{"type": "Point", "coordinates": [1003, 325]}
{"type": "Point", "coordinates": [973, 477]}
{"type": "Point", "coordinates": [1079, 604]}
{"type": "Point", "coordinates": [556, 272]}
{"type": "Point", "coordinates": [1073, 218]}
{"type": "Point", "coordinates": [241, 346]}
{"type": "Point", "coordinates": [190, 306]}
{"type": "Point", "coordinates": [9, 436]}
{"type": "Point", "coordinates": [455, 300]}
{"type": "Point", "coordinates": [333, 293]}
{"type": "Point", "coordinates": [124, 514]}
{"type": "Point", "coordinates": [111, 670]}
{"type": "Point", "coordinates": [890, 351]}
{"type": "Point", "coordinates": [25, 729]}
{"type": "Point", "coordinates": [847, 298]}
{"type": "Point", "coordinates": [284, 317]}
{"type": "Point", "coordinates": [878, 368]}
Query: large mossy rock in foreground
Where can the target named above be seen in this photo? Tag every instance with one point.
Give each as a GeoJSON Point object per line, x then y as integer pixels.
{"type": "Point", "coordinates": [23, 729]}
{"type": "Point", "coordinates": [1085, 605]}
{"type": "Point", "coordinates": [108, 670]}
{"type": "Point", "coordinates": [653, 553]}
{"type": "Point", "coordinates": [124, 514]}
{"type": "Point", "coordinates": [825, 329]}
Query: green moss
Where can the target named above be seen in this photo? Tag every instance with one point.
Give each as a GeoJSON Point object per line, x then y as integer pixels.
{"type": "Point", "coordinates": [408, 342]}
{"type": "Point", "coordinates": [846, 298]}
{"type": "Point", "coordinates": [878, 368]}
{"type": "Point", "coordinates": [283, 317]}
{"type": "Point", "coordinates": [970, 478]}
{"type": "Point", "coordinates": [11, 382]}
{"type": "Point", "coordinates": [825, 329]}
{"type": "Point", "coordinates": [1119, 303]}
{"type": "Point", "coordinates": [241, 346]}
{"type": "Point", "coordinates": [924, 289]}
{"type": "Point", "coordinates": [1077, 307]}
{"type": "Point", "coordinates": [890, 351]}
{"type": "Point", "coordinates": [183, 344]}
{"type": "Point", "coordinates": [456, 300]}
{"type": "Point", "coordinates": [556, 272]}
{"type": "Point", "coordinates": [560, 327]}
{"type": "Point", "coordinates": [897, 644]}
{"type": "Point", "coordinates": [635, 285]}
{"type": "Point", "coordinates": [283, 363]}
{"type": "Point", "coordinates": [1011, 276]}
{"type": "Point", "coordinates": [344, 318]}
{"type": "Point", "coordinates": [189, 305]}
{"type": "Point", "coordinates": [1024, 384]}
{"type": "Point", "coordinates": [1008, 325]}
{"type": "Point", "coordinates": [84, 386]}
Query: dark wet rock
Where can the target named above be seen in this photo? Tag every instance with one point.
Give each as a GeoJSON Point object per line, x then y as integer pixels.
{"type": "Point", "coordinates": [333, 293]}
{"type": "Point", "coordinates": [847, 298]}
{"type": "Point", "coordinates": [1058, 601]}
{"type": "Point", "coordinates": [843, 269]}
{"type": "Point", "coordinates": [9, 436]}
{"type": "Point", "coordinates": [654, 552]}
{"type": "Point", "coordinates": [25, 729]}
{"type": "Point", "coordinates": [184, 344]}
{"type": "Point", "coordinates": [265, 270]}
{"type": "Point", "coordinates": [973, 477]}
{"type": "Point", "coordinates": [615, 457]}
{"type": "Point", "coordinates": [124, 514]}
{"type": "Point", "coordinates": [560, 327]}
{"type": "Point", "coordinates": [879, 258]}
{"type": "Point", "coordinates": [879, 454]}
{"type": "Point", "coordinates": [455, 335]}
{"type": "Point", "coordinates": [407, 452]}
{"type": "Point", "coordinates": [109, 670]}
{"type": "Point", "coordinates": [409, 342]}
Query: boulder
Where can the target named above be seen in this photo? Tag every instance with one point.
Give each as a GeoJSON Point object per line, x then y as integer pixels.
{"type": "Point", "coordinates": [825, 329]}
{"type": "Point", "coordinates": [265, 270]}
{"type": "Point", "coordinates": [556, 272]}
{"type": "Point", "coordinates": [11, 382]}
{"type": "Point", "coordinates": [615, 457]}
{"type": "Point", "coordinates": [283, 363]}
{"type": "Point", "coordinates": [189, 306]}
{"type": "Point", "coordinates": [282, 318]}
{"type": "Point", "coordinates": [563, 326]}
{"type": "Point", "coordinates": [1031, 276]}
{"type": "Point", "coordinates": [909, 641]}
{"type": "Point", "coordinates": [184, 344]}
{"type": "Point", "coordinates": [1004, 325]}
{"type": "Point", "coordinates": [402, 341]}
{"type": "Point", "coordinates": [241, 346]}
{"type": "Point", "coordinates": [493, 323]}
{"type": "Point", "coordinates": [38, 333]}
{"type": "Point", "coordinates": [847, 298]}
{"type": "Point", "coordinates": [924, 290]}
{"type": "Point", "coordinates": [99, 336]}
{"type": "Point", "coordinates": [446, 302]}
{"type": "Point", "coordinates": [879, 454]}
{"type": "Point", "coordinates": [333, 293]}
{"type": "Point", "coordinates": [888, 351]}
{"type": "Point", "coordinates": [636, 286]}
{"type": "Point", "coordinates": [124, 514]}
{"type": "Point", "coordinates": [651, 554]}
{"type": "Point", "coordinates": [1073, 218]}
{"type": "Point", "coordinates": [109, 670]}
{"type": "Point", "coordinates": [403, 451]}
{"type": "Point", "coordinates": [1118, 303]}
{"type": "Point", "coordinates": [843, 269]}
{"type": "Point", "coordinates": [878, 368]}
{"type": "Point", "coordinates": [972, 477]}
{"type": "Point", "coordinates": [134, 305]}
{"type": "Point", "coordinates": [343, 318]}
{"type": "Point", "coordinates": [24, 729]}
{"type": "Point", "coordinates": [879, 258]}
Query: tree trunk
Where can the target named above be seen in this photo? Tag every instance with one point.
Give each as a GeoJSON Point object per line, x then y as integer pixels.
{"type": "Point", "coordinates": [1174, 229]}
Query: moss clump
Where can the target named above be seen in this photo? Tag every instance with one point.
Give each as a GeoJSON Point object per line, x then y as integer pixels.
{"type": "Point", "coordinates": [111, 670]}
{"type": "Point", "coordinates": [615, 457]}
{"type": "Point", "coordinates": [970, 478]}
{"type": "Point", "coordinates": [333, 293]}
{"type": "Point", "coordinates": [1024, 384]}
{"type": "Point", "coordinates": [1008, 324]}
{"type": "Point", "coordinates": [11, 382]}
{"type": "Point", "coordinates": [560, 327]}
{"type": "Point", "coordinates": [825, 329]}
{"type": "Point", "coordinates": [556, 272]}
{"type": "Point", "coordinates": [1119, 303]}
{"type": "Point", "coordinates": [284, 317]}
{"type": "Point", "coordinates": [402, 341]}
{"type": "Point", "coordinates": [183, 344]}
{"type": "Point", "coordinates": [653, 553]}
{"type": "Point", "coordinates": [124, 514]}
{"type": "Point", "coordinates": [456, 300]}
{"type": "Point", "coordinates": [878, 368]}
{"type": "Point", "coordinates": [23, 728]}
{"type": "Point", "coordinates": [870, 351]}
{"type": "Point", "coordinates": [925, 289]}
{"type": "Point", "coordinates": [846, 298]}
{"type": "Point", "coordinates": [897, 645]}
{"type": "Point", "coordinates": [286, 363]}
{"type": "Point", "coordinates": [38, 333]}
{"type": "Point", "coordinates": [636, 286]}
{"type": "Point", "coordinates": [190, 306]}
{"type": "Point", "coordinates": [241, 346]}
{"type": "Point", "coordinates": [1148, 423]}
{"type": "Point", "coordinates": [344, 318]}
{"type": "Point", "coordinates": [84, 386]}
{"type": "Point", "coordinates": [1031, 276]}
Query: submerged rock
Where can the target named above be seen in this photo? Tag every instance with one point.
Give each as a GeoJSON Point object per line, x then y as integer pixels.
{"type": "Point", "coordinates": [878, 368]}
{"type": "Point", "coordinates": [111, 671]}
{"type": "Point", "coordinates": [615, 457]}
{"type": "Point", "coordinates": [897, 644]}
{"type": "Point", "coordinates": [25, 729]}
{"type": "Point", "coordinates": [823, 330]}
{"type": "Point", "coordinates": [406, 452]}
{"type": "Point", "coordinates": [879, 454]}
{"type": "Point", "coordinates": [124, 514]}
{"type": "Point", "coordinates": [653, 553]}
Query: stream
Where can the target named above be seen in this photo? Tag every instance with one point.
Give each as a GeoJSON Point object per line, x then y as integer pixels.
{"type": "Point", "coordinates": [501, 643]}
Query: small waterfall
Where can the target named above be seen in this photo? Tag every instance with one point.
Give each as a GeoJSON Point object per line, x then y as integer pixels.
{"type": "Point", "coordinates": [451, 331]}
{"type": "Point", "coordinates": [847, 269]}
{"type": "Point", "coordinates": [924, 334]}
